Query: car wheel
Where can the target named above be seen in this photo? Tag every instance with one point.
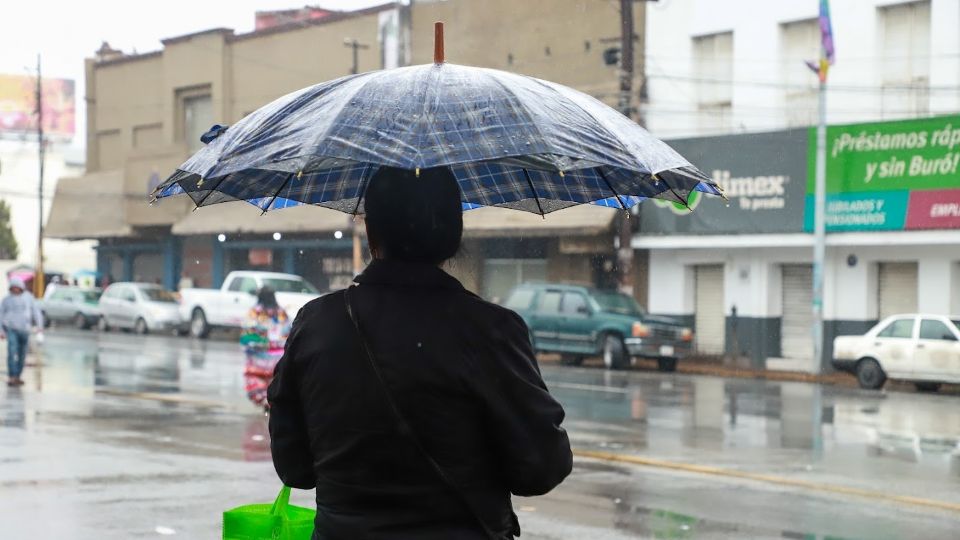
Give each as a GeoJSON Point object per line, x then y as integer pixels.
{"type": "Point", "coordinates": [198, 324]}
{"type": "Point", "coordinates": [614, 352]}
{"type": "Point", "coordinates": [927, 386]}
{"type": "Point", "coordinates": [870, 375]}
{"type": "Point", "coordinates": [667, 364]}
{"type": "Point", "coordinates": [140, 327]}
{"type": "Point", "coordinates": [80, 322]}
{"type": "Point", "coordinates": [571, 360]}
{"type": "Point", "coordinates": [46, 320]}
{"type": "Point", "coordinates": [102, 324]}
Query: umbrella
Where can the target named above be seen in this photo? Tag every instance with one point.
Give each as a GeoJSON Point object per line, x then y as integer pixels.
{"type": "Point", "coordinates": [511, 141]}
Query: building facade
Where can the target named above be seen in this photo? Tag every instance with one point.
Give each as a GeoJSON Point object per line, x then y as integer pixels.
{"type": "Point", "coordinates": [146, 113]}
{"type": "Point", "coordinates": [742, 273]}
{"type": "Point", "coordinates": [730, 90]}
{"type": "Point", "coordinates": [738, 68]}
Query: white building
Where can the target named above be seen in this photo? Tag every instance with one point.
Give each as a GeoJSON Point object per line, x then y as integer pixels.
{"type": "Point", "coordinates": [738, 65]}
{"type": "Point", "coordinates": [722, 70]}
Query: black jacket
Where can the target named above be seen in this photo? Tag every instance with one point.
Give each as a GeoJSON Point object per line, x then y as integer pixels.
{"type": "Point", "coordinates": [463, 373]}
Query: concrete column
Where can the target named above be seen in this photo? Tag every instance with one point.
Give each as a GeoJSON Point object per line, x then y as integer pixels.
{"type": "Point", "coordinates": [103, 264]}
{"type": "Point", "coordinates": [289, 260]}
{"type": "Point", "coordinates": [955, 291]}
{"type": "Point", "coordinates": [128, 265]}
{"type": "Point", "coordinates": [216, 266]}
{"type": "Point", "coordinates": [934, 286]}
{"type": "Point", "coordinates": [172, 262]}
{"type": "Point", "coordinates": [671, 283]}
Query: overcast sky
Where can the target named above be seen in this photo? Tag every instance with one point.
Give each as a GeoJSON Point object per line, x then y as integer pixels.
{"type": "Point", "coordinates": [65, 32]}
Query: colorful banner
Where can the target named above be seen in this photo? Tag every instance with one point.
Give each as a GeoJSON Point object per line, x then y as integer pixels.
{"type": "Point", "coordinates": [18, 105]}
{"type": "Point", "coordinates": [889, 176]}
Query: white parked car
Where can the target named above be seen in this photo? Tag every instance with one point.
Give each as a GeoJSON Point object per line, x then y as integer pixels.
{"type": "Point", "coordinates": [141, 307]}
{"type": "Point", "coordinates": [229, 306]}
{"type": "Point", "coordinates": [920, 348]}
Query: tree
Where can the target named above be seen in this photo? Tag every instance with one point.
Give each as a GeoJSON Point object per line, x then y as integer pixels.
{"type": "Point", "coordinates": [9, 249]}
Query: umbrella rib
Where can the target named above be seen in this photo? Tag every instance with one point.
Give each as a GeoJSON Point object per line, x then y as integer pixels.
{"type": "Point", "coordinates": [210, 192]}
{"type": "Point", "coordinates": [609, 185]}
{"type": "Point", "coordinates": [275, 195]}
{"type": "Point", "coordinates": [675, 194]}
{"type": "Point", "coordinates": [534, 190]}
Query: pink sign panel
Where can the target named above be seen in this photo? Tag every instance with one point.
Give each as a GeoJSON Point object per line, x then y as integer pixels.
{"type": "Point", "coordinates": [934, 209]}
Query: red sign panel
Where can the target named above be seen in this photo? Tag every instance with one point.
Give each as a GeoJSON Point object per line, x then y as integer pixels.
{"type": "Point", "coordinates": [260, 257]}
{"type": "Point", "coordinates": [934, 209]}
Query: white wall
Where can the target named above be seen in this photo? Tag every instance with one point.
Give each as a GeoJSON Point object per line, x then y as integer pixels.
{"type": "Point", "coordinates": [752, 279]}
{"type": "Point", "coordinates": [852, 96]}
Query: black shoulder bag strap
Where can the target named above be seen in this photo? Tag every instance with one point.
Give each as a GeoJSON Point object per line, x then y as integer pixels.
{"type": "Point", "coordinates": [405, 426]}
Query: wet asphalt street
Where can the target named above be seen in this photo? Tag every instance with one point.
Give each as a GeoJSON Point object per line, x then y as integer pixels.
{"type": "Point", "coordinates": [116, 436]}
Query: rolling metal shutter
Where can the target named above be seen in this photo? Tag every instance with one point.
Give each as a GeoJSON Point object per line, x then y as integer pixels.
{"type": "Point", "coordinates": [796, 326]}
{"type": "Point", "coordinates": [897, 288]}
{"type": "Point", "coordinates": [709, 318]}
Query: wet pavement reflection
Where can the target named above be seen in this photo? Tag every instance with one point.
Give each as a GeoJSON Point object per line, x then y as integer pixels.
{"type": "Point", "coordinates": [110, 412]}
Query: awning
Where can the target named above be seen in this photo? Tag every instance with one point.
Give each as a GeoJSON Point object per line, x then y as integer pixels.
{"type": "Point", "coordinates": [582, 220]}
{"type": "Point", "coordinates": [88, 206]}
{"type": "Point", "coordinates": [242, 217]}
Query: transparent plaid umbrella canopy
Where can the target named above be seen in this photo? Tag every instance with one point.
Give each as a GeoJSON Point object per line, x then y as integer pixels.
{"type": "Point", "coordinates": [511, 141]}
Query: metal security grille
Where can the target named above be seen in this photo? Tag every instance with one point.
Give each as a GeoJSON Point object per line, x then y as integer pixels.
{"type": "Point", "coordinates": [897, 288]}
{"type": "Point", "coordinates": [709, 318]}
{"type": "Point", "coordinates": [796, 336]}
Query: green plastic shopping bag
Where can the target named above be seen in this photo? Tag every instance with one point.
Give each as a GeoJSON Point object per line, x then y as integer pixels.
{"type": "Point", "coordinates": [279, 521]}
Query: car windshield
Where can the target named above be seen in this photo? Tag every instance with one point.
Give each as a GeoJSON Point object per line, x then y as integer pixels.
{"type": "Point", "coordinates": [90, 297]}
{"type": "Point", "coordinates": [622, 304]}
{"type": "Point", "coordinates": [158, 295]}
{"type": "Point", "coordinates": [290, 285]}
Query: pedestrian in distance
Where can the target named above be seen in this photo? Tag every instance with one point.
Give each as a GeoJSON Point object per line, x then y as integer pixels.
{"type": "Point", "coordinates": [263, 338]}
{"type": "Point", "coordinates": [19, 315]}
{"type": "Point", "coordinates": [415, 408]}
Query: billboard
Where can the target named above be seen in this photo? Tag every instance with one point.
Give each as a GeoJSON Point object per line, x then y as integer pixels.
{"type": "Point", "coordinates": [890, 175]}
{"type": "Point", "coordinates": [764, 176]}
{"type": "Point", "coordinates": [18, 105]}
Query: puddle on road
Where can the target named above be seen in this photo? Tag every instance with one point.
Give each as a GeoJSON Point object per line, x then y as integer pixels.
{"type": "Point", "coordinates": [806, 424]}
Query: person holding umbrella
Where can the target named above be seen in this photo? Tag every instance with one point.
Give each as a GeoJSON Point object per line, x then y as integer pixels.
{"type": "Point", "coordinates": [19, 313]}
{"type": "Point", "coordinates": [429, 435]}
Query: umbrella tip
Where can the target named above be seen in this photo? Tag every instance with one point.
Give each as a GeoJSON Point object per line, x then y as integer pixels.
{"type": "Point", "coordinates": [438, 42]}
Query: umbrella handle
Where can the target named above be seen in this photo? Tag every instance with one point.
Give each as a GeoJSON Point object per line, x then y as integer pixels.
{"type": "Point", "coordinates": [438, 42]}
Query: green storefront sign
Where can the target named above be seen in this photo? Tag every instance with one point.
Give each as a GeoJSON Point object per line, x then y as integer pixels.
{"type": "Point", "coordinates": [872, 169]}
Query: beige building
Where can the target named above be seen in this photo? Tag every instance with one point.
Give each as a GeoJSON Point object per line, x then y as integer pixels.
{"type": "Point", "coordinates": [146, 112]}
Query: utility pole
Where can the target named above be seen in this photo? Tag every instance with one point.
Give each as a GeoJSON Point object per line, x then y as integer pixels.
{"type": "Point", "coordinates": [356, 46]}
{"type": "Point", "coordinates": [625, 250]}
{"type": "Point", "coordinates": [38, 278]}
{"type": "Point", "coordinates": [355, 224]}
{"type": "Point", "coordinates": [819, 228]}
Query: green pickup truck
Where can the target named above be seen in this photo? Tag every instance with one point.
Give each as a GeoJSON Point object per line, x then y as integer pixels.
{"type": "Point", "coordinates": [580, 321]}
